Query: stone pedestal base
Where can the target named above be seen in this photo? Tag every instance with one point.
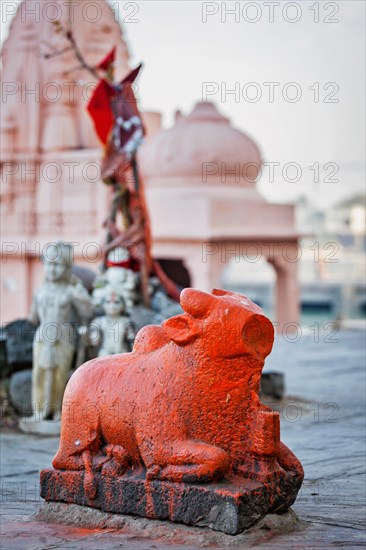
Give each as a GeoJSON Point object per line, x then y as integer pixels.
{"type": "Point", "coordinates": [119, 530]}
{"type": "Point", "coordinates": [32, 425]}
{"type": "Point", "coordinates": [227, 506]}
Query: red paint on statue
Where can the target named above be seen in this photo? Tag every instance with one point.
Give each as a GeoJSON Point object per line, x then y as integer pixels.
{"type": "Point", "coordinates": [184, 404]}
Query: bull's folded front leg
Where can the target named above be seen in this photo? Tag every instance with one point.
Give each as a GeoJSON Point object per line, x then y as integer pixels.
{"type": "Point", "coordinates": [189, 461]}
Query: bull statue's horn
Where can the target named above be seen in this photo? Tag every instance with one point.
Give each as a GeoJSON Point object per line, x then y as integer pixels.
{"type": "Point", "coordinates": [196, 302]}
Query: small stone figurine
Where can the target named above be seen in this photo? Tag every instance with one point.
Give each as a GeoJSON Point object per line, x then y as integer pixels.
{"type": "Point", "coordinates": [113, 331]}
{"type": "Point", "coordinates": [59, 304]}
{"type": "Point", "coordinates": [118, 277]}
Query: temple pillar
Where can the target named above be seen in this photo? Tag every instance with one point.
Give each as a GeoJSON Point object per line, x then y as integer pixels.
{"type": "Point", "coordinates": [287, 288]}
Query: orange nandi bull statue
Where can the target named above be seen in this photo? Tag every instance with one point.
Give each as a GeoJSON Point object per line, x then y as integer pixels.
{"type": "Point", "coordinates": [182, 407]}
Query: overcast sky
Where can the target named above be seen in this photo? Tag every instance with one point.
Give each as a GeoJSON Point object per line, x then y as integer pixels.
{"type": "Point", "coordinates": [312, 52]}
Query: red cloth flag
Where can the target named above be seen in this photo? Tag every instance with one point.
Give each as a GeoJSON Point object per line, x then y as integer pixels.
{"type": "Point", "coordinates": [100, 109]}
{"type": "Point", "coordinates": [126, 117]}
{"type": "Point", "coordinates": [127, 132]}
{"type": "Point", "coordinates": [108, 60]}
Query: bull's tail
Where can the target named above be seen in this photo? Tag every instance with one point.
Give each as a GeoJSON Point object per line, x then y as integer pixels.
{"type": "Point", "coordinates": [90, 486]}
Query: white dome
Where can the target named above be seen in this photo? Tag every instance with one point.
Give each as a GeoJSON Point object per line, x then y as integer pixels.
{"type": "Point", "coordinates": [203, 142]}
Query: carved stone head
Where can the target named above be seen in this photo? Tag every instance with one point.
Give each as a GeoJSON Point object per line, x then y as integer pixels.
{"type": "Point", "coordinates": [222, 324]}
{"type": "Point", "coordinates": [57, 260]}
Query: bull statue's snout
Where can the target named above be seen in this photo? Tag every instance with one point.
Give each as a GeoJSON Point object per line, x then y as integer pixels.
{"type": "Point", "coordinates": [258, 334]}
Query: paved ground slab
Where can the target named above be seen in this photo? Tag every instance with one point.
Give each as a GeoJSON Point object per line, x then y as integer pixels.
{"type": "Point", "coordinates": [165, 532]}
{"type": "Point", "coordinates": [324, 425]}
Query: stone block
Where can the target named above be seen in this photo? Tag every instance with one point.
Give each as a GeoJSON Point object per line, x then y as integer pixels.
{"type": "Point", "coordinates": [229, 506]}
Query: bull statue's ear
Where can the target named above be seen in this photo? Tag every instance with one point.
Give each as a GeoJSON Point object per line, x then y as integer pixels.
{"type": "Point", "coordinates": [182, 329]}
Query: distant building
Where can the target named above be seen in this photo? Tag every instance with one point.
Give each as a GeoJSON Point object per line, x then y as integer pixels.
{"type": "Point", "coordinates": [347, 220]}
{"type": "Point", "coordinates": [206, 211]}
{"type": "Point", "coordinates": [331, 266]}
{"type": "Point", "coordinates": [200, 174]}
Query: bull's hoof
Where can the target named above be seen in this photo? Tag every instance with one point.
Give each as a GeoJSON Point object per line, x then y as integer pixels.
{"type": "Point", "coordinates": [154, 472]}
{"type": "Point", "coordinates": [113, 469]}
{"type": "Point", "coordinates": [118, 461]}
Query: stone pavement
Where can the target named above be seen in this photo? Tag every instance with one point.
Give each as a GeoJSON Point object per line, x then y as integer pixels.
{"type": "Point", "coordinates": [324, 425]}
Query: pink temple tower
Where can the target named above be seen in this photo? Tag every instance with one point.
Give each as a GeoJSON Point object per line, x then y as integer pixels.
{"type": "Point", "coordinates": [50, 185]}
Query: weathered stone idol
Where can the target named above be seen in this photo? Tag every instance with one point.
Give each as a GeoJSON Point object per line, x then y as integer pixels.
{"type": "Point", "coordinates": [113, 332]}
{"type": "Point", "coordinates": [58, 306]}
{"type": "Point", "coordinates": [118, 277]}
{"type": "Point", "coordinates": [175, 430]}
